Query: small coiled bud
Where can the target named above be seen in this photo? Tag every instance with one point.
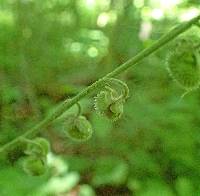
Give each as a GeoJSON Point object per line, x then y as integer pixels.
{"type": "Point", "coordinates": [34, 166]}
{"type": "Point", "coordinates": [35, 163]}
{"type": "Point", "coordinates": [38, 147]}
{"type": "Point", "coordinates": [77, 128]}
{"type": "Point", "coordinates": [183, 62]}
{"type": "Point", "coordinates": [111, 99]}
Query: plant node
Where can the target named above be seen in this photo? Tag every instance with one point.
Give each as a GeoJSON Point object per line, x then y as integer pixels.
{"type": "Point", "coordinates": [111, 99]}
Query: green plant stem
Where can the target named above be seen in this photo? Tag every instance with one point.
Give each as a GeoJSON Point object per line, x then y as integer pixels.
{"type": "Point", "coordinates": [28, 141]}
{"type": "Point", "coordinates": [68, 103]}
{"type": "Point", "coordinates": [79, 109]}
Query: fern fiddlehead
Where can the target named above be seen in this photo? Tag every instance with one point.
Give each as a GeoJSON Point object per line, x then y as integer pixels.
{"type": "Point", "coordinates": [35, 162]}
{"type": "Point", "coordinates": [183, 62]}
{"type": "Point", "coordinates": [110, 100]}
{"type": "Point", "coordinates": [77, 127]}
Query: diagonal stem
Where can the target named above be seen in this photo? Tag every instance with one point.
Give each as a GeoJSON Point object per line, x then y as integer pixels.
{"type": "Point", "coordinates": [134, 60]}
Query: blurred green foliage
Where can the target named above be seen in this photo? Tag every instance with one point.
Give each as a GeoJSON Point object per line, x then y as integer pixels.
{"type": "Point", "coordinates": [52, 49]}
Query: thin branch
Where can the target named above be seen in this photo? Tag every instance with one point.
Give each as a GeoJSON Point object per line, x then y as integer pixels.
{"type": "Point", "coordinates": [68, 103]}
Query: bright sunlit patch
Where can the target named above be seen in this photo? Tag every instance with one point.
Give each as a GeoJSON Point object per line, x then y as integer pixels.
{"type": "Point", "coordinates": [138, 3]}
{"type": "Point", "coordinates": [164, 4]}
{"type": "Point", "coordinates": [102, 19]}
{"type": "Point", "coordinates": [90, 3]}
{"type": "Point", "coordinates": [168, 4]}
{"type": "Point", "coordinates": [191, 13]}
{"type": "Point", "coordinates": [146, 13]}
{"type": "Point", "coordinates": [157, 14]}
{"type": "Point", "coordinates": [145, 30]}
{"type": "Point", "coordinates": [92, 52]}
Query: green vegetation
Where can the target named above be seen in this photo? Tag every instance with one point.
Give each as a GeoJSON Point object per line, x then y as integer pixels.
{"type": "Point", "coordinates": [51, 54]}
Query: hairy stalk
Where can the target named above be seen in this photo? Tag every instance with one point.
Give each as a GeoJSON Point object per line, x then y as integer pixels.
{"type": "Point", "coordinates": [68, 103]}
